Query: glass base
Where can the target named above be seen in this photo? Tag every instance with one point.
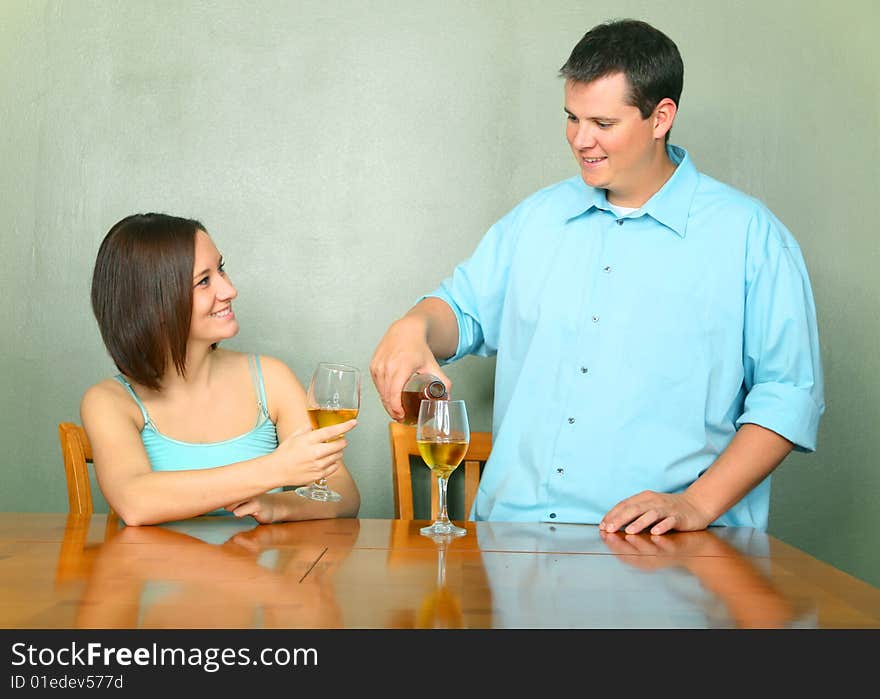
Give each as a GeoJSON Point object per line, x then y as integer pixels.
{"type": "Point", "coordinates": [442, 529]}
{"type": "Point", "coordinates": [316, 492]}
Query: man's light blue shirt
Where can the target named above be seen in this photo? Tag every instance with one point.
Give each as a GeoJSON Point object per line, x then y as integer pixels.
{"type": "Point", "coordinates": [629, 350]}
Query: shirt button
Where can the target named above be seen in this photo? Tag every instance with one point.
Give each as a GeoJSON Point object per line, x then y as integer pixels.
{"type": "Point", "coordinates": [595, 319]}
{"type": "Point", "coordinates": [607, 268]}
{"type": "Point", "coordinates": [584, 370]}
{"type": "Point", "coordinates": [571, 421]}
{"type": "Point", "coordinates": [552, 515]}
{"type": "Point", "coordinates": [620, 222]}
{"type": "Point", "coordinates": [560, 471]}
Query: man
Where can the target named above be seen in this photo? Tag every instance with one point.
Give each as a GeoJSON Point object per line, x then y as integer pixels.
{"type": "Point", "coordinates": [657, 350]}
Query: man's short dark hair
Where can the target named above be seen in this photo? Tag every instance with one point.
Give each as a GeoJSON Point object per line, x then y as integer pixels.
{"type": "Point", "coordinates": [142, 294]}
{"type": "Point", "coordinates": [648, 59]}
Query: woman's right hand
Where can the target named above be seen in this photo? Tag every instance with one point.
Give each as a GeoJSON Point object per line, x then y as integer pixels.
{"type": "Point", "coordinates": [308, 455]}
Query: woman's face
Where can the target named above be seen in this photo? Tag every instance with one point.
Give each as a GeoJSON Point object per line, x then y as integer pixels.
{"type": "Point", "coordinates": [212, 316]}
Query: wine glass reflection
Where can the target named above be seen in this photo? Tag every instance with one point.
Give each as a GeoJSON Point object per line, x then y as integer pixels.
{"type": "Point", "coordinates": [441, 609]}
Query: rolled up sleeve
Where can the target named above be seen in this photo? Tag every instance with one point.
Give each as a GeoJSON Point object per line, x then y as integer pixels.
{"type": "Point", "coordinates": [476, 290]}
{"type": "Point", "coordinates": [781, 358]}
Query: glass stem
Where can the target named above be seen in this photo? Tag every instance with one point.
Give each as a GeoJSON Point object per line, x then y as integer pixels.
{"type": "Point", "coordinates": [441, 484]}
{"type": "Point", "coordinates": [321, 483]}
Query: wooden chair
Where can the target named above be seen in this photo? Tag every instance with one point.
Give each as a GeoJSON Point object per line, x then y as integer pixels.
{"type": "Point", "coordinates": [403, 445]}
{"type": "Point", "coordinates": [77, 453]}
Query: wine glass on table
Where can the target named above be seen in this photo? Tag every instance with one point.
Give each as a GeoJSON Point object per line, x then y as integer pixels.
{"type": "Point", "coordinates": [334, 396]}
{"type": "Point", "coordinates": [443, 435]}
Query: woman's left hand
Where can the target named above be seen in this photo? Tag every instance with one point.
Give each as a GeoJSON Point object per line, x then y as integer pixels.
{"type": "Point", "coordinates": [262, 508]}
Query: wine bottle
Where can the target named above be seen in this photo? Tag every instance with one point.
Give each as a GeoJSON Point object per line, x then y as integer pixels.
{"type": "Point", "coordinates": [420, 387]}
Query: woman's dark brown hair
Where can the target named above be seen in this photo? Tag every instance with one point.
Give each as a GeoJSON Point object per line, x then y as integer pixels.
{"type": "Point", "coordinates": [142, 294]}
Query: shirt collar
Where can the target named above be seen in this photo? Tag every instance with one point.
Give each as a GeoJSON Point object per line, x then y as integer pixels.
{"type": "Point", "coordinates": [669, 206]}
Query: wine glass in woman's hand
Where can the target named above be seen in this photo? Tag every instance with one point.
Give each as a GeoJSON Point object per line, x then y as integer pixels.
{"type": "Point", "coordinates": [334, 396]}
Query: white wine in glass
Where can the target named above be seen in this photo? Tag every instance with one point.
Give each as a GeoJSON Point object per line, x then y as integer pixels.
{"type": "Point", "coordinates": [334, 397]}
{"type": "Point", "coordinates": [443, 435]}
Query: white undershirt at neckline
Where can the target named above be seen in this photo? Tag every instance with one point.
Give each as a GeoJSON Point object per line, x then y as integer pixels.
{"type": "Point", "coordinates": [621, 211]}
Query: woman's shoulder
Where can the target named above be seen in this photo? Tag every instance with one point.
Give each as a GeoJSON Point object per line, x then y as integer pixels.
{"type": "Point", "coordinates": [104, 391]}
{"type": "Point", "coordinates": [106, 396]}
{"type": "Point", "coordinates": [274, 370]}
{"type": "Point", "coordinates": [273, 363]}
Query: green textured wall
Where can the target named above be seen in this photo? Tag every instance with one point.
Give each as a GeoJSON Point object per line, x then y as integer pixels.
{"type": "Point", "coordinates": [387, 137]}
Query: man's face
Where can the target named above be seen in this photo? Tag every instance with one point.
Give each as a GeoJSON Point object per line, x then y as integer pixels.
{"type": "Point", "coordinates": [616, 149]}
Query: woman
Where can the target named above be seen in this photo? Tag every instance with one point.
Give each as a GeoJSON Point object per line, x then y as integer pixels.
{"type": "Point", "coordinates": [188, 428]}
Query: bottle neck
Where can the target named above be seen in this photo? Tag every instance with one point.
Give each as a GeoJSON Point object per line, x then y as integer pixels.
{"type": "Point", "coordinates": [435, 390]}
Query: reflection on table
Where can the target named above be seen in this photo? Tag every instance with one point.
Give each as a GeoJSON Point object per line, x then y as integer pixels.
{"type": "Point", "coordinates": [160, 577]}
{"type": "Point", "coordinates": [714, 578]}
{"type": "Point", "coordinates": [219, 572]}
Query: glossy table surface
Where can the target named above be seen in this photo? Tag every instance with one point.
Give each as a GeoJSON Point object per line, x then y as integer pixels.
{"type": "Point", "coordinates": [59, 571]}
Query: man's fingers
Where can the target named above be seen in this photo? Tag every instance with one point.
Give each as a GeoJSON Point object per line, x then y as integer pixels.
{"type": "Point", "coordinates": [643, 521]}
{"type": "Point", "coordinates": [397, 381]}
{"type": "Point", "coordinates": [434, 368]}
{"type": "Point", "coordinates": [389, 385]}
{"type": "Point", "coordinates": [663, 526]}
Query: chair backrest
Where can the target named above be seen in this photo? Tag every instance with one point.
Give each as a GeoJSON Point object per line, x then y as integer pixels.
{"type": "Point", "coordinates": [77, 453]}
{"type": "Point", "coordinates": [403, 445]}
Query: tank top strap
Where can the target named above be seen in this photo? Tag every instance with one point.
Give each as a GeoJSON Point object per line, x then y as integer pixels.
{"type": "Point", "coordinates": [121, 379]}
{"type": "Point", "coordinates": [259, 386]}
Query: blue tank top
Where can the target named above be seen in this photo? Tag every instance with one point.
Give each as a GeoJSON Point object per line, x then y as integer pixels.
{"type": "Point", "coordinates": [167, 454]}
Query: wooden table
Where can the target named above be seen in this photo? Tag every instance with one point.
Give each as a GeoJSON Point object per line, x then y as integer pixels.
{"type": "Point", "coordinates": [218, 572]}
